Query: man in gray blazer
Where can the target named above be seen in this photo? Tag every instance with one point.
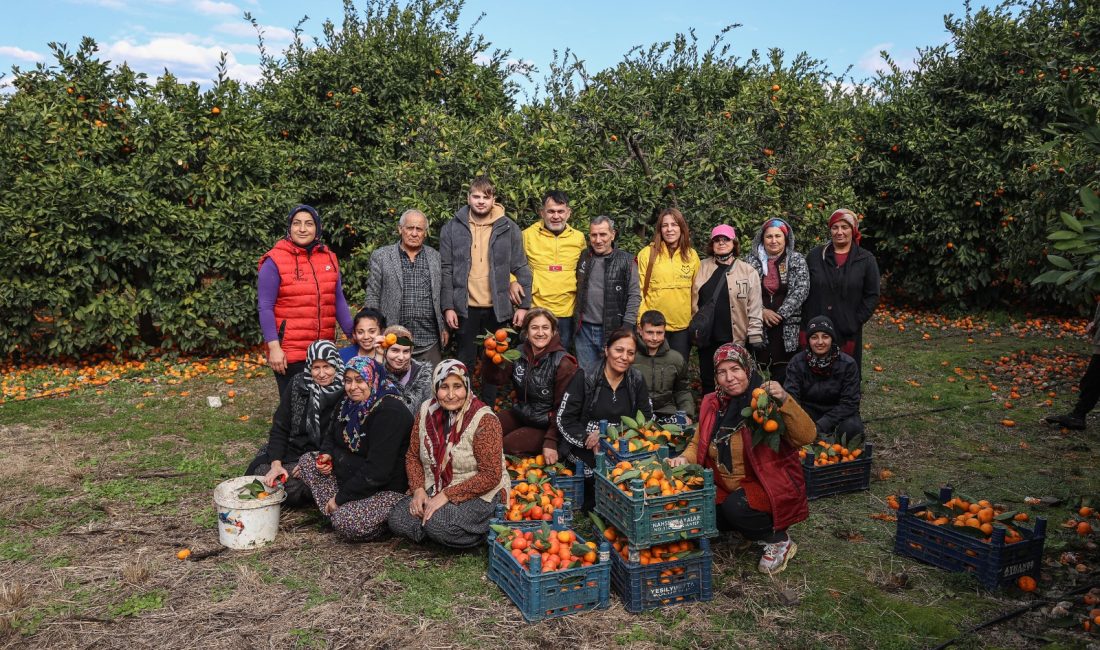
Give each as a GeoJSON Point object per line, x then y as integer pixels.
{"type": "Point", "coordinates": [404, 284]}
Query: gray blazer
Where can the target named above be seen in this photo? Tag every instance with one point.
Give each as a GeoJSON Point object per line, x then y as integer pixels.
{"type": "Point", "coordinates": [385, 286]}
{"type": "Point", "coordinates": [506, 257]}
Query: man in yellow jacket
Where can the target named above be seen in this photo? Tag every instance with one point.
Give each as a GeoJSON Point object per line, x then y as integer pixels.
{"type": "Point", "coordinates": [553, 248]}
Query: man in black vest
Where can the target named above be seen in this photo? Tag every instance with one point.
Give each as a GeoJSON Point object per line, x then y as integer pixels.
{"type": "Point", "coordinates": [608, 293]}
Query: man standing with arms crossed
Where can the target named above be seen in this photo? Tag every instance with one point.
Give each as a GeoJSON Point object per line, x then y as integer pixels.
{"type": "Point", "coordinates": [553, 248]}
{"type": "Point", "coordinates": [480, 248]}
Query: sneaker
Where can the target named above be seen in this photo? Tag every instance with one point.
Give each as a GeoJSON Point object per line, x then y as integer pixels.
{"type": "Point", "coordinates": [1069, 421]}
{"type": "Point", "coordinates": [776, 556]}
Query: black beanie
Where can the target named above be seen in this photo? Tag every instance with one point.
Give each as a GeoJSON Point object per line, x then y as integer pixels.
{"type": "Point", "coordinates": [305, 208]}
{"type": "Point", "coordinates": [821, 324]}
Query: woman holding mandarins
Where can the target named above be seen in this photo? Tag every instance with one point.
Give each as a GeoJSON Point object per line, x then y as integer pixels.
{"type": "Point", "coordinates": [759, 492]}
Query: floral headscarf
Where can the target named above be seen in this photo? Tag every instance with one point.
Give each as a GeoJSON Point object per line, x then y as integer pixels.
{"type": "Point", "coordinates": [324, 351]}
{"type": "Point", "coordinates": [445, 428]}
{"type": "Point", "coordinates": [729, 419]}
{"type": "Point", "coordinates": [353, 413]}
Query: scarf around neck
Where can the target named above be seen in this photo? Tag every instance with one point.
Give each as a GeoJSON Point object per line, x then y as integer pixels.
{"type": "Point", "coordinates": [445, 428]}
{"type": "Point", "coordinates": [320, 396]}
{"type": "Point", "coordinates": [354, 414]}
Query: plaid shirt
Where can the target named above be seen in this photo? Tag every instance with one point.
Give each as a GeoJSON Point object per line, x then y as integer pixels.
{"type": "Point", "coordinates": [417, 312]}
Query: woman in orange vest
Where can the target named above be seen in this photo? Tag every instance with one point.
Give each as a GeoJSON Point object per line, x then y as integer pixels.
{"type": "Point", "coordinates": [300, 295]}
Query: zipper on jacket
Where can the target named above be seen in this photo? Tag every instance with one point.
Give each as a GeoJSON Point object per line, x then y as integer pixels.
{"type": "Point", "coordinates": [317, 286]}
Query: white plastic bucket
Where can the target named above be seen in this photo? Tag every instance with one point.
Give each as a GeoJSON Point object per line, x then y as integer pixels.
{"type": "Point", "coordinates": [246, 523]}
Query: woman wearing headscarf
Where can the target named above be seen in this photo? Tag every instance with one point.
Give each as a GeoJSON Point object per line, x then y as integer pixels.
{"type": "Point", "coordinates": [413, 378]}
{"type": "Point", "coordinates": [731, 289]}
{"type": "Point", "coordinates": [455, 465]}
{"type": "Point", "coordinates": [844, 283]}
{"type": "Point", "coordinates": [759, 492]}
{"type": "Point", "coordinates": [298, 426]}
{"type": "Point", "coordinates": [300, 295]}
{"type": "Point", "coordinates": [784, 285]}
{"type": "Point", "coordinates": [825, 381]}
{"type": "Point", "coordinates": [360, 474]}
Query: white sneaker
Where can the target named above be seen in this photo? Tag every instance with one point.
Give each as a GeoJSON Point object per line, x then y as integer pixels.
{"type": "Point", "coordinates": [776, 556]}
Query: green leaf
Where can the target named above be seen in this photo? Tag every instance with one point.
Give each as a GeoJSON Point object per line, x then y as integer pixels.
{"type": "Point", "coordinates": [1060, 262]}
{"type": "Point", "coordinates": [1089, 200]}
{"type": "Point", "coordinates": [1072, 223]}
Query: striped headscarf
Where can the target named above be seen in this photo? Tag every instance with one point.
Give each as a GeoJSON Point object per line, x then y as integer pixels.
{"type": "Point", "coordinates": [354, 414]}
{"type": "Point", "coordinates": [321, 351]}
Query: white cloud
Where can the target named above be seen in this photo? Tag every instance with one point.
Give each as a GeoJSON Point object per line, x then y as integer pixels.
{"type": "Point", "coordinates": [245, 30]}
{"type": "Point", "coordinates": [213, 7]}
{"type": "Point", "coordinates": [872, 62]}
{"type": "Point", "coordinates": [13, 52]}
{"type": "Point", "coordinates": [181, 56]}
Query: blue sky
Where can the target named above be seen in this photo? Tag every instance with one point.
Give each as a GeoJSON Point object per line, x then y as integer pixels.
{"type": "Point", "coordinates": [187, 36]}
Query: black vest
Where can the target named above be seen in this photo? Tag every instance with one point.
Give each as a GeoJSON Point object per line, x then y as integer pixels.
{"type": "Point", "coordinates": [616, 285]}
{"type": "Point", "coordinates": [535, 388]}
{"type": "Point", "coordinates": [592, 387]}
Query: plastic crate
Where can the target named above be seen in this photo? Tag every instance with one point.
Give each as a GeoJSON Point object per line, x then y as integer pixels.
{"type": "Point", "coordinates": [993, 564]}
{"type": "Point", "coordinates": [548, 595]}
{"type": "Point", "coordinates": [571, 486]}
{"type": "Point", "coordinates": [648, 521]}
{"type": "Point", "coordinates": [643, 587]}
{"type": "Point", "coordinates": [827, 480]}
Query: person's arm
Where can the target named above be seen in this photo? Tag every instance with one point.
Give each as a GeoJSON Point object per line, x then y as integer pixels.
{"type": "Point", "coordinates": [798, 287]}
{"type": "Point", "coordinates": [848, 403]}
{"type": "Point", "coordinates": [754, 307]}
{"type": "Point", "coordinates": [681, 390]}
{"type": "Point", "coordinates": [413, 467]}
{"type": "Point", "coordinates": [633, 298]}
{"type": "Point", "coordinates": [795, 377]}
{"type": "Point", "coordinates": [572, 426]}
{"type": "Point", "coordinates": [488, 446]}
{"type": "Point", "coordinates": [520, 268]}
{"type": "Point", "coordinates": [267, 290]}
{"type": "Point", "coordinates": [562, 376]}
{"type": "Point", "coordinates": [870, 291]}
{"type": "Point", "coordinates": [374, 281]}
{"type": "Point", "coordinates": [641, 264]}
{"type": "Point", "coordinates": [343, 312]}
{"type": "Point", "coordinates": [386, 434]}
{"type": "Point", "coordinates": [800, 427]}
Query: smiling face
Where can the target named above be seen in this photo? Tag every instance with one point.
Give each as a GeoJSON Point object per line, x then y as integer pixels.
{"type": "Point", "coordinates": [555, 215]}
{"type": "Point", "coordinates": [601, 238]}
{"type": "Point", "coordinates": [366, 334]}
{"type": "Point", "coordinates": [480, 203]}
{"type": "Point", "coordinates": [398, 358]}
{"type": "Point", "coordinates": [774, 241]}
{"type": "Point", "coordinates": [451, 393]}
{"type": "Point", "coordinates": [841, 233]}
{"type": "Point", "coordinates": [303, 228]}
{"type": "Point", "coordinates": [356, 388]}
{"type": "Point", "coordinates": [620, 355]}
{"type": "Point", "coordinates": [820, 342]}
{"type": "Point", "coordinates": [670, 231]}
{"type": "Point", "coordinates": [539, 333]}
{"type": "Point", "coordinates": [322, 372]}
{"type": "Point", "coordinates": [731, 377]}
{"type": "Point", "coordinates": [653, 336]}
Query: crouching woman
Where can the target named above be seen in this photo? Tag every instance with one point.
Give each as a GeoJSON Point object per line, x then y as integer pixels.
{"type": "Point", "coordinates": [360, 475]}
{"type": "Point", "coordinates": [759, 492]}
{"type": "Point", "coordinates": [455, 465]}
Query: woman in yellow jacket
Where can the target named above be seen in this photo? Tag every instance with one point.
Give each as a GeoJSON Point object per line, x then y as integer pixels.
{"type": "Point", "coordinates": [666, 269]}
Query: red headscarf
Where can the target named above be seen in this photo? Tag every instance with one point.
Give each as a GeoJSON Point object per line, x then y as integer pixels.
{"type": "Point", "coordinates": [848, 217]}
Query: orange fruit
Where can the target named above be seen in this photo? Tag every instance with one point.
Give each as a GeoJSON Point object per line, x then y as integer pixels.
{"type": "Point", "coordinates": [771, 425]}
{"type": "Point", "coordinates": [497, 359]}
{"type": "Point", "coordinates": [230, 381]}
{"type": "Point", "coordinates": [231, 394]}
{"type": "Point", "coordinates": [502, 346]}
{"type": "Point", "coordinates": [184, 554]}
{"type": "Point", "coordinates": [1026, 583]}
{"type": "Point", "coordinates": [490, 343]}
{"type": "Point", "coordinates": [501, 335]}
{"type": "Point", "coordinates": [1084, 528]}
{"type": "Point", "coordinates": [1085, 511]}
{"type": "Point", "coordinates": [216, 110]}
{"type": "Point", "coordinates": [391, 338]}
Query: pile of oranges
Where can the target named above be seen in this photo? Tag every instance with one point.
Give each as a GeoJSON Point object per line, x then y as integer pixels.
{"type": "Point", "coordinates": [534, 469]}
{"type": "Point", "coordinates": [1081, 524]}
{"type": "Point", "coordinates": [534, 501]}
{"type": "Point", "coordinates": [497, 346]}
{"type": "Point", "coordinates": [977, 518]}
{"type": "Point", "coordinates": [657, 554]}
{"type": "Point", "coordinates": [764, 420]}
{"type": "Point", "coordinates": [825, 453]}
{"type": "Point", "coordinates": [659, 479]}
{"type": "Point", "coordinates": [557, 550]}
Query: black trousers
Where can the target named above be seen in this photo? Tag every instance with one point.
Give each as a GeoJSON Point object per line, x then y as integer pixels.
{"type": "Point", "coordinates": [284, 379]}
{"type": "Point", "coordinates": [473, 325]}
{"type": "Point", "coordinates": [1089, 388]}
{"type": "Point", "coordinates": [679, 341]}
{"type": "Point", "coordinates": [735, 514]}
{"type": "Point", "coordinates": [297, 492]}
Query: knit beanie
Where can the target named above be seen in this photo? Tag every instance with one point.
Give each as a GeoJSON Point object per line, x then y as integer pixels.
{"type": "Point", "coordinates": [821, 324]}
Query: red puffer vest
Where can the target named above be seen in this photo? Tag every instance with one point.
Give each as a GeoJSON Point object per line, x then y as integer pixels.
{"type": "Point", "coordinates": [779, 473]}
{"type": "Point", "coordinates": [305, 310]}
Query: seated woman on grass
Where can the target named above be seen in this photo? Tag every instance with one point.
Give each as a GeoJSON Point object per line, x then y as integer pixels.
{"type": "Point", "coordinates": [455, 465]}
{"type": "Point", "coordinates": [413, 378]}
{"type": "Point", "coordinates": [304, 413]}
{"type": "Point", "coordinates": [366, 335]}
{"type": "Point", "coordinates": [825, 381]}
{"type": "Point", "coordinates": [360, 475]}
{"type": "Point", "coordinates": [759, 492]}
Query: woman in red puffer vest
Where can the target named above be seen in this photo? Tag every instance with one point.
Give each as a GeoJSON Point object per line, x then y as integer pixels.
{"type": "Point", "coordinates": [759, 492]}
{"type": "Point", "coordinates": [300, 295]}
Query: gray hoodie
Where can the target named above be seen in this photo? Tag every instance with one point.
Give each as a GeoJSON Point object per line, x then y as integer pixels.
{"type": "Point", "coordinates": [506, 257]}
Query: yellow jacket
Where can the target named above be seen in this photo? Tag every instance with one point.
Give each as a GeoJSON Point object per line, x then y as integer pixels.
{"type": "Point", "coordinates": [553, 262]}
{"type": "Point", "coordinates": [669, 286]}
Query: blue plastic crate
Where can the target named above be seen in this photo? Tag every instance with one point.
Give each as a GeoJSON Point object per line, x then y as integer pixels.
{"type": "Point", "coordinates": [994, 563]}
{"type": "Point", "coordinates": [646, 521]}
{"type": "Point", "coordinates": [557, 593]}
{"type": "Point", "coordinates": [827, 480]}
{"type": "Point", "coordinates": [643, 587]}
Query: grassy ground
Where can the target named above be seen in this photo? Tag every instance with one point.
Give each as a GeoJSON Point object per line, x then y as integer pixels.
{"type": "Point", "coordinates": [103, 489]}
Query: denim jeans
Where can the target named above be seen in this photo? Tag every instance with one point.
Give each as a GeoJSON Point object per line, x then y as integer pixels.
{"type": "Point", "coordinates": [565, 331]}
{"type": "Point", "coordinates": [589, 344]}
